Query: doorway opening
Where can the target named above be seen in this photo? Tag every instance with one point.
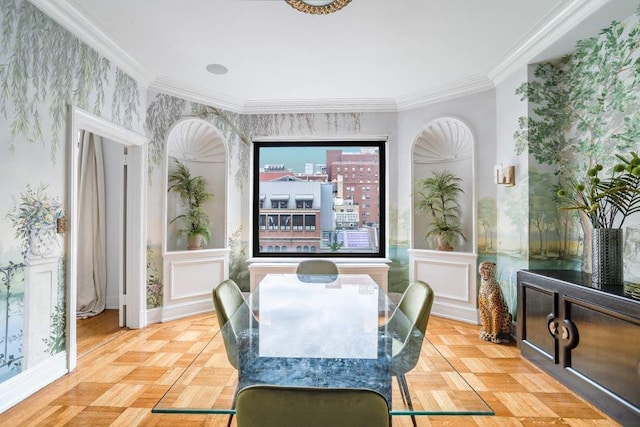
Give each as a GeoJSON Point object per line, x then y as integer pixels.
{"type": "Point", "coordinates": [125, 219]}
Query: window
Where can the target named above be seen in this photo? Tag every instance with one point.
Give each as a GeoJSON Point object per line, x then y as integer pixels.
{"type": "Point", "coordinates": [298, 223]}
{"type": "Point", "coordinates": [304, 204]}
{"type": "Point", "coordinates": [315, 203]}
{"type": "Point", "coordinates": [285, 222]}
{"type": "Point", "coordinates": [309, 222]}
{"type": "Point", "coordinates": [273, 222]}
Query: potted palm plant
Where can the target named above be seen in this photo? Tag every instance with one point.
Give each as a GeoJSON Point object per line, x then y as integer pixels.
{"type": "Point", "coordinates": [438, 196]}
{"type": "Point", "coordinates": [193, 193]}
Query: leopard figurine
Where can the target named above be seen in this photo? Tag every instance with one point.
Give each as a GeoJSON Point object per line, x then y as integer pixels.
{"type": "Point", "coordinates": [494, 313]}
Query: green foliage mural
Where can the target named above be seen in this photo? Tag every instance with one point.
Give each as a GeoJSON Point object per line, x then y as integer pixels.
{"type": "Point", "coordinates": [487, 219]}
{"type": "Point", "coordinates": [583, 109]}
{"type": "Point", "coordinates": [49, 68]}
{"type": "Point", "coordinates": [154, 277]}
{"type": "Point", "coordinates": [164, 111]}
{"type": "Point", "coordinates": [239, 268]}
{"type": "Point", "coordinates": [587, 104]}
{"type": "Point", "coordinates": [43, 70]}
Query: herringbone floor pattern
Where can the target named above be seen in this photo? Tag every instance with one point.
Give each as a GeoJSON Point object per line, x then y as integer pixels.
{"type": "Point", "coordinates": [119, 380]}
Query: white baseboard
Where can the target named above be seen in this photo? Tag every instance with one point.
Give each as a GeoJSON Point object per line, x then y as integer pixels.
{"type": "Point", "coordinates": [462, 314]}
{"type": "Point", "coordinates": [178, 311]}
{"type": "Point", "coordinates": [16, 389]}
{"type": "Point", "coordinates": [112, 303]}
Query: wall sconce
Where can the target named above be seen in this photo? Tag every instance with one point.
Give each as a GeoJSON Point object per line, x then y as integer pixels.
{"type": "Point", "coordinates": [504, 175]}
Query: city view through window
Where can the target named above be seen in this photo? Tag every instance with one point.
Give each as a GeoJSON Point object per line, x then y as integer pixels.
{"type": "Point", "coordinates": [324, 199]}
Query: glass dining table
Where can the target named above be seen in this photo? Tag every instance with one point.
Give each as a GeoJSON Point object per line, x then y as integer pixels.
{"type": "Point", "coordinates": [319, 331]}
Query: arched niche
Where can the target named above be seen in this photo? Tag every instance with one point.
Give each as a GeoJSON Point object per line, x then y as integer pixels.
{"type": "Point", "coordinates": [445, 143]}
{"type": "Point", "coordinates": [202, 148]}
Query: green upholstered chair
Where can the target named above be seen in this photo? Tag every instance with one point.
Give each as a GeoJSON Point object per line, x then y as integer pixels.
{"type": "Point", "coordinates": [317, 270]}
{"type": "Point", "coordinates": [281, 406]}
{"type": "Point", "coordinates": [413, 309]}
{"type": "Point", "coordinates": [227, 299]}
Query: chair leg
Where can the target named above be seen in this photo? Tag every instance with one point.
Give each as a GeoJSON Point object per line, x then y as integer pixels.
{"type": "Point", "coordinates": [406, 397]}
{"type": "Point", "coordinates": [233, 405]}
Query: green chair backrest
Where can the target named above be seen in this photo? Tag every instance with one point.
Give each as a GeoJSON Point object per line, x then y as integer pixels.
{"type": "Point", "coordinates": [317, 270]}
{"type": "Point", "coordinates": [227, 299]}
{"type": "Point", "coordinates": [415, 305]}
{"type": "Point", "coordinates": [281, 406]}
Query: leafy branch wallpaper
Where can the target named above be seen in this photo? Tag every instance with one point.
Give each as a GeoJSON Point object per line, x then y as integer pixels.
{"type": "Point", "coordinates": [584, 108]}
{"type": "Point", "coordinates": [581, 109]}
{"type": "Point", "coordinates": [43, 69]}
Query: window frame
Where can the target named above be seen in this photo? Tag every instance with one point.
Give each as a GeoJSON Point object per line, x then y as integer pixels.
{"type": "Point", "coordinates": [381, 183]}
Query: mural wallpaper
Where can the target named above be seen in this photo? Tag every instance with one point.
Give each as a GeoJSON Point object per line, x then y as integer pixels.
{"type": "Point", "coordinates": [43, 68]}
{"type": "Point", "coordinates": [163, 111]}
{"type": "Point", "coordinates": [583, 109]}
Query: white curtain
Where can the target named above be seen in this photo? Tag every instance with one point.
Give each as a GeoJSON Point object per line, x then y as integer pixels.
{"type": "Point", "coordinates": [92, 251]}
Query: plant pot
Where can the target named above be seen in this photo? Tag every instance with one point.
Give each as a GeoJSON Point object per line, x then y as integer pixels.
{"type": "Point", "coordinates": [194, 242]}
{"type": "Point", "coordinates": [442, 244]}
{"type": "Point", "coordinates": [606, 256]}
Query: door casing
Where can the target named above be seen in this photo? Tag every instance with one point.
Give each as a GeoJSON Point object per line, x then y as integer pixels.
{"type": "Point", "coordinates": [136, 220]}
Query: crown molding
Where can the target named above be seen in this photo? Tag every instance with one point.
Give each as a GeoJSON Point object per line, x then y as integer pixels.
{"type": "Point", "coordinates": [196, 93]}
{"type": "Point", "coordinates": [326, 105]}
{"type": "Point", "coordinates": [553, 26]}
{"type": "Point", "coordinates": [67, 16]}
{"type": "Point", "coordinates": [275, 106]}
{"type": "Point", "coordinates": [475, 84]}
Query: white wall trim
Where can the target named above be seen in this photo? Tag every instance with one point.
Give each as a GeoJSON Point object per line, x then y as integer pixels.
{"type": "Point", "coordinates": [456, 89]}
{"type": "Point", "coordinates": [197, 94]}
{"type": "Point", "coordinates": [136, 219]}
{"type": "Point", "coordinates": [553, 26]}
{"type": "Point", "coordinates": [327, 105]}
{"type": "Point", "coordinates": [186, 309]}
{"type": "Point", "coordinates": [66, 15]}
{"type": "Point", "coordinates": [17, 388]}
{"type": "Point", "coordinates": [556, 24]}
{"type": "Point", "coordinates": [84, 120]}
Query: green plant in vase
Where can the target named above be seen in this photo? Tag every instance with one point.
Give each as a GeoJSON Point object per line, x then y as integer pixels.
{"type": "Point", "coordinates": [439, 196]}
{"type": "Point", "coordinates": [607, 203]}
{"type": "Point", "coordinates": [193, 193]}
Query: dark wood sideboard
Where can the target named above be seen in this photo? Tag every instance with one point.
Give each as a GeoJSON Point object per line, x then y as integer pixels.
{"type": "Point", "coordinates": [586, 337]}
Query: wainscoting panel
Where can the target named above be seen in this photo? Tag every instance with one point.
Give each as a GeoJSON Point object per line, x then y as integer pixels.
{"type": "Point", "coordinates": [189, 278]}
{"type": "Point", "coordinates": [377, 271]}
{"type": "Point", "coordinates": [453, 278]}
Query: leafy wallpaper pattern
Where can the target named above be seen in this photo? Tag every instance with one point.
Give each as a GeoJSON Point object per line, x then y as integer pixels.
{"type": "Point", "coordinates": [584, 108]}
{"type": "Point", "coordinates": [43, 68]}
{"type": "Point", "coordinates": [581, 107]}
{"type": "Point", "coordinates": [163, 111]}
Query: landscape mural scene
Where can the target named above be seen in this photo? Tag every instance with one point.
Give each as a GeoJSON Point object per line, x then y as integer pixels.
{"type": "Point", "coordinates": [582, 109]}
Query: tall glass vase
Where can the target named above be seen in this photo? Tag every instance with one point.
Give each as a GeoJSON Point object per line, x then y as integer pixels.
{"type": "Point", "coordinates": [606, 256]}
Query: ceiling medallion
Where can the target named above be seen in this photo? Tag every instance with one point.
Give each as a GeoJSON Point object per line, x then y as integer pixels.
{"type": "Point", "coordinates": [318, 7]}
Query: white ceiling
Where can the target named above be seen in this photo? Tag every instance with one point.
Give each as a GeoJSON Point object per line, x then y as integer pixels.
{"type": "Point", "coordinates": [372, 55]}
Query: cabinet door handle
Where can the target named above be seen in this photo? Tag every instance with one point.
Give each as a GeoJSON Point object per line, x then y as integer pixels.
{"type": "Point", "coordinates": [552, 326]}
{"type": "Point", "coordinates": [570, 334]}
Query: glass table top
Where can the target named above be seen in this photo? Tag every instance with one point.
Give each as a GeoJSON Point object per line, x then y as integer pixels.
{"type": "Point", "coordinates": [340, 333]}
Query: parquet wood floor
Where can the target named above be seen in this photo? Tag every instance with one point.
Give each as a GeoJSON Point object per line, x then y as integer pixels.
{"type": "Point", "coordinates": [119, 381]}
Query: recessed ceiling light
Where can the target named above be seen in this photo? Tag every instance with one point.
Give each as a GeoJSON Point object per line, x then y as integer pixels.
{"type": "Point", "coordinates": [217, 69]}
